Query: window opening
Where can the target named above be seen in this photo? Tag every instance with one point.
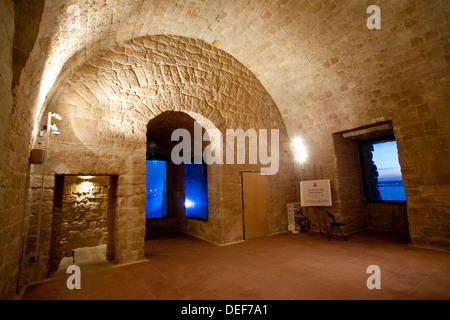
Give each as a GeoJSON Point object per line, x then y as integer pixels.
{"type": "Point", "coordinates": [156, 194]}
{"type": "Point", "coordinates": [381, 170]}
{"type": "Point", "coordinates": [196, 193]}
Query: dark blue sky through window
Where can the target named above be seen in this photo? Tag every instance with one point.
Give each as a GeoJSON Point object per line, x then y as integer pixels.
{"type": "Point", "coordinates": [196, 194]}
{"type": "Point", "coordinates": [390, 182]}
{"type": "Point", "coordinates": [156, 196]}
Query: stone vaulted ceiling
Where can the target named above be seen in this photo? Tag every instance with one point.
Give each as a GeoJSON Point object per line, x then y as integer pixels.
{"type": "Point", "coordinates": [311, 66]}
{"type": "Point", "coordinates": [317, 59]}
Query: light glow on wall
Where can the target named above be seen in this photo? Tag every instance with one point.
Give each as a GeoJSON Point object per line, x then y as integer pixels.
{"type": "Point", "coordinates": [299, 149]}
{"type": "Point", "coordinates": [84, 187]}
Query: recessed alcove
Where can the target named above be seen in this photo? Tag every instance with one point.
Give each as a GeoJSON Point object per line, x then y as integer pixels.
{"type": "Point", "coordinates": [362, 179]}
{"type": "Point", "coordinates": [83, 220]}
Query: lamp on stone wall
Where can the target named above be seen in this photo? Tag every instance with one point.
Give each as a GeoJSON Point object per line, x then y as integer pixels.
{"type": "Point", "coordinates": [38, 155]}
{"type": "Point", "coordinates": [299, 149]}
{"type": "Point", "coordinates": [52, 129]}
{"type": "Point", "coordinates": [300, 155]}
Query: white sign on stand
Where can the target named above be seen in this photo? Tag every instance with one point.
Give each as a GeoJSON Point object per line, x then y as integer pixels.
{"type": "Point", "coordinates": [315, 193]}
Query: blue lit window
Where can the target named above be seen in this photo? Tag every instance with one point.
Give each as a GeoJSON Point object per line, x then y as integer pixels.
{"type": "Point", "coordinates": [156, 195]}
{"type": "Point", "coordinates": [381, 170]}
{"type": "Point", "coordinates": [196, 194]}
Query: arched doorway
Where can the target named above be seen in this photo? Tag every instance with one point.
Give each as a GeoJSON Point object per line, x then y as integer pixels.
{"type": "Point", "coordinates": [172, 187]}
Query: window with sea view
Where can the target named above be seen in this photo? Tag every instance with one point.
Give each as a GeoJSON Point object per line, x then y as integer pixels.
{"type": "Point", "coordinates": [381, 170]}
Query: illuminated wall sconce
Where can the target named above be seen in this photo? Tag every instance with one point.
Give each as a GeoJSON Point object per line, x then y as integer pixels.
{"type": "Point", "coordinates": [300, 155]}
{"type": "Point", "coordinates": [299, 149]}
{"type": "Point", "coordinates": [54, 130]}
{"type": "Point", "coordinates": [37, 156]}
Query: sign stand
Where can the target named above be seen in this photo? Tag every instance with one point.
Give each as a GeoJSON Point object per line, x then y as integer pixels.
{"type": "Point", "coordinates": [316, 194]}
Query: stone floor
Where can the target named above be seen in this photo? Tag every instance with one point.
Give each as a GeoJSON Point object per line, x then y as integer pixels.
{"type": "Point", "coordinates": [280, 267]}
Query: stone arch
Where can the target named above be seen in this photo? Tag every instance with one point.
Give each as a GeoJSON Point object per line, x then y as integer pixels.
{"type": "Point", "coordinates": [107, 102]}
{"type": "Point", "coordinates": [160, 145]}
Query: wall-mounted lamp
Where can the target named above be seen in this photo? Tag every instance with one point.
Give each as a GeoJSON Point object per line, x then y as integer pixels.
{"type": "Point", "coordinates": [300, 155]}
{"type": "Point", "coordinates": [51, 129]}
{"type": "Point", "coordinates": [55, 115]}
{"type": "Point", "coordinates": [54, 130]}
{"type": "Point", "coordinates": [38, 155]}
{"type": "Point", "coordinates": [299, 149]}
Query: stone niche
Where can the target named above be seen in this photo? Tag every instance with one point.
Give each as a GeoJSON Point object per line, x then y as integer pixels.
{"type": "Point", "coordinates": [359, 213]}
{"type": "Point", "coordinates": [83, 215]}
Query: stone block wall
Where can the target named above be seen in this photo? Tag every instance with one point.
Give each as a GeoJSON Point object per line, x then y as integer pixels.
{"type": "Point", "coordinates": [13, 168]}
{"type": "Point", "coordinates": [106, 105]}
{"type": "Point", "coordinates": [399, 73]}
{"type": "Point", "coordinates": [322, 67]}
{"type": "Point", "coordinates": [82, 219]}
{"type": "Point", "coordinates": [388, 217]}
